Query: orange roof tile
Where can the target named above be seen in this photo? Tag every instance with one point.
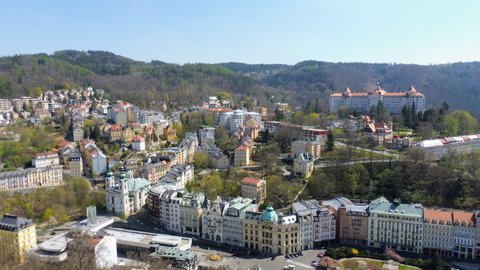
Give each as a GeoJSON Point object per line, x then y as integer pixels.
{"type": "Point", "coordinates": [431, 214]}
{"type": "Point", "coordinates": [252, 181]}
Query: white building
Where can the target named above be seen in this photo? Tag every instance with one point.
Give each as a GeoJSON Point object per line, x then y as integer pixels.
{"type": "Point", "coordinates": [363, 101]}
{"type": "Point", "coordinates": [212, 220]}
{"type": "Point", "coordinates": [138, 143]}
{"type": "Point", "coordinates": [126, 195]}
{"type": "Point", "coordinates": [178, 176]}
{"type": "Point", "coordinates": [45, 159]}
{"type": "Point", "coordinates": [31, 178]}
{"type": "Point", "coordinates": [233, 220]}
{"type": "Point", "coordinates": [314, 148]}
{"type": "Point", "coordinates": [395, 225]}
{"type": "Point", "coordinates": [438, 148]}
{"type": "Point", "coordinates": [303, 165]}
{"type": "Point", "coordinates": [234, 120]}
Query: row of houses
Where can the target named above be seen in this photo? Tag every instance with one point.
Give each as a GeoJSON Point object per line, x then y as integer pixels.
{"type": "Point", "coordinates": [380, 224]}
{"type": "Point", "coordinates": [460, 145]}
{"type": "Point", "coordinates": [31, 178]}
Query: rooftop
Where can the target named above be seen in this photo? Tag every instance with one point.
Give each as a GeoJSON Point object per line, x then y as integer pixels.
{"type": "Point", "coordinates": [14, 223]}
{"type": "Point", "coordinates": [252, 181]}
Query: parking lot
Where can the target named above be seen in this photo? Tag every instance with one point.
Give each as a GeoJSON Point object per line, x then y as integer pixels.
{"type": "Point", "coordinates": [251, 262]}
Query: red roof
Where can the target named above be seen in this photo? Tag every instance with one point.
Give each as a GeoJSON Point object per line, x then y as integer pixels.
{"type": "Point", "coordinates": [138, 139]}
{"type": "Point", "coordinates": [115, 128]}
{"type": "Point", "coordinates": [241, 148]}
{"type": "Point", "coordinates": [252, 181]}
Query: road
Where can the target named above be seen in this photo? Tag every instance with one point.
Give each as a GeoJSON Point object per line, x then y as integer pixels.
{"type": "Point", "coordinates": [380, 152]}
{"type": "Point", "coordinates": [325, 164]}
{"type": "Point", "coordinates": [252, 262]}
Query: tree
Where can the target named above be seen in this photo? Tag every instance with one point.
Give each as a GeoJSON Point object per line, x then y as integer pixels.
{"type": "Point", "coordinates": [330, 143]}
{"type": "Point", "coordinates": [200, 160]}
{"type": "Point", "coordinates": [414, 115]}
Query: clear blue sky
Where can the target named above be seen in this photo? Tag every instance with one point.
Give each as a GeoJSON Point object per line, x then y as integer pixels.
{"type": "Point", "coordinates": [261, 31]}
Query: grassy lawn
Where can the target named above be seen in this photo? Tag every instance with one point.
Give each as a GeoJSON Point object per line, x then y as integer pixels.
{"type": "Point", "coordinates": [360, 264]}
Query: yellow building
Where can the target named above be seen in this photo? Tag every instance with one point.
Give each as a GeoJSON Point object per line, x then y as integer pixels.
{"type": "Point", "coordinates": [271, 232]}
{"type": "Point", "coordinates": [128, 134]}
{"type": "Point", "coordinates": [17, 235]}
{"type": "Point", "coordinates": [241, 156]}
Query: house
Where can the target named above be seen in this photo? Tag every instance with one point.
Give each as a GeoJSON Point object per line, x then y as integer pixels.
{"type": "Point", "coordinates": [19, 235]}
{"type": "Point", "coordinates": [170, 134]}
{"type": "Point", "coordinates": [241, 156]}
{"type": "Point", "coordinates": [138, 143]}
{"type": "Point", "coordinates": [255, 189]}
{"type": "Point", "coordinates": [303, 165]}
{"type": "Point", "coordinates": [378, 132]}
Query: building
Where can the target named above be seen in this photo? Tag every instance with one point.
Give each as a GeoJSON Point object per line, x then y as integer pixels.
{"type": "Point", "coordinates": [438, 232]}
{"type": "Point", "coordinates": [178, 176]}
{"type": "Point", "coordinates": [177, 155]}
{"type": "Point", "coordinates": [271, 232]}
{"type": "Point", "coordinates": [189, 144]}
{"type": "Point", "coordinates": [378, 132]}
{"type": "Point", "coordinates": [114, 133]}
{"type": "Point", "coordinates": [31, 178]}
{"type": "Point", "coordinates": [241, 156]}
{"type": "Point", "coordinates": [255, 189]}
{"type": "Point", "coordinates": [17, 235]}
{"type": "Point", "coordinates": [154, 171]}
{"type": "Point", "coordinates": [324, 221]}
{"type": "Point", "coordinates": [212, 220]}
{"type": "Point", "coordinates": [303, 165]}
{"type": "Point", "coordinates": [216, 158]}
{"type": "Point", "coordinates": [138, 143]}
{"type": "Point", "coordinates": [45, 159]}
{"type": "Point", "coordinates": [126, 195]}
{"type": "Point", "coordinates": [75, 164]}
{"type": "Point", "coordinates": [313, 148]}
{"type": "Point", "coordinates": [395, 225]}
{"type": "Point", "coordinates": [457, 145]}
{"type": "Point", "coordinates": [362, 102]}
{"type": "Point", "coordinates": [178, 258]}
{"type": "Point", "coordinates": [163, 207]}
{"type": "Point", "coordinates": [353, 224]}
{"type": "Point", "coordinates": [464, 231]}
{"type": "Point", "coordinates": [305, 215]}
{"type": "Point", "coordinates": [234, 120]}
{"type": "Point", "coordinates": [233, 220]}
{"type": "Point", "coordinates": [206, 135]}
{"type": "Point", "coordinates": [192, 206]}
{"type": "Point", "coordinates": [99, 161]}
{"type": "Point", "coordinates": [5, 105]}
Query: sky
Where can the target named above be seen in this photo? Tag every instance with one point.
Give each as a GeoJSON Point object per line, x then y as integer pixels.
{"type": "Point", "coordinates": [261, 31]}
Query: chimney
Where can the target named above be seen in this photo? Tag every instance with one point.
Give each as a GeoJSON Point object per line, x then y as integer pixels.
{"type": "Point", "coordinates": [91, 215]}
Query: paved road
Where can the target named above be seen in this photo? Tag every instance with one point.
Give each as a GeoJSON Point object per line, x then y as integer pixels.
{"type": "Point", "coordinates": [244, 263]}
{"type": "Point", "coordinates": [325, 164]}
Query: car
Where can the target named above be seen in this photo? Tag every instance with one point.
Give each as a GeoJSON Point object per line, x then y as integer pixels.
{"type": "Point", "coordinates": [273, 258]}
{"type": "Point", "coordinates": [314, 263]}
{"type": "Point", "coordinates": [320, 255]}
{"type": "Point", "coordinates": [289, 267]}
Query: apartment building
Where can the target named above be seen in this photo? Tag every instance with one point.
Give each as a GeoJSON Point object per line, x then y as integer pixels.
{"type": "Point", "coordinates": [313, 148]}
{"type": "Point", "coordinates": [241, 156]}
{"type": "Point", "coordinates": [192, 206]}
{"type": "Point", "coordinates": [303, 165]}
{"type": "Point", "coordinates": [396, 225]}
{"type": "Point", "coordinates": [212, 220]}
{"type": "Point", "coordinates": [45, 159]}
{"type": "Point", "coordinates": [31, 178]}
{"type": "Point", "coordinates": [233, 220]}
{"type": "Point", "coordinates": [438, 148]}
{"type": "Point", "coordinates": [154, 171]}
{"type": "Point", "coordinates": [18, 235]}
{"type": "Point", "coordinates": [254, 188]}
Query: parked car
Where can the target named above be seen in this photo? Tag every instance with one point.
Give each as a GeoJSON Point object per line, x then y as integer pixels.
{"type": "Point", "coordinates": [289, 267]}
{"type": "Point", "coordinates": [314, 263]}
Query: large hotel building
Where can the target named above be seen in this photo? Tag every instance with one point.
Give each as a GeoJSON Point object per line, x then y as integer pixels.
{"type": "Point", "coordinates": [363, 101]}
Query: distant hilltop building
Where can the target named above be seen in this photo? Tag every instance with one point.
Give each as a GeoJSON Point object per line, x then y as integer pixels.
{"type": "Point", "coordinates": [363, 101]}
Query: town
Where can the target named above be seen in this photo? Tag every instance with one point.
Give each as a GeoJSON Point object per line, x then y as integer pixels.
{"type": "Point", "coordinates": [202, 186]}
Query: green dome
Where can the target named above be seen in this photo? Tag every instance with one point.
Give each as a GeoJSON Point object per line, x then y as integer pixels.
{"type": "Point", "coordinates": [269, 215]}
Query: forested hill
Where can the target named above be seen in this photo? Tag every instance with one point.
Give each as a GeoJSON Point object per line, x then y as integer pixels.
{"type": "Point", "coordinates": [124, 78]}
{"type": "Point", "coordinates": [141, 82]}
{"type": "Point", "coordinates": [458, 83]}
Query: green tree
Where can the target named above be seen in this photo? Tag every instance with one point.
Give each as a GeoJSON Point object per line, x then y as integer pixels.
{"type": "Point", "coordinates": [200, 160]}
{"type": "Point", "coordinates": [330, 143]}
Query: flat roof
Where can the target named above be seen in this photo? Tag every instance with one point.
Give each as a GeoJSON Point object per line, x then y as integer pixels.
{"type": "Point", "coordinates": [146, 239]}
